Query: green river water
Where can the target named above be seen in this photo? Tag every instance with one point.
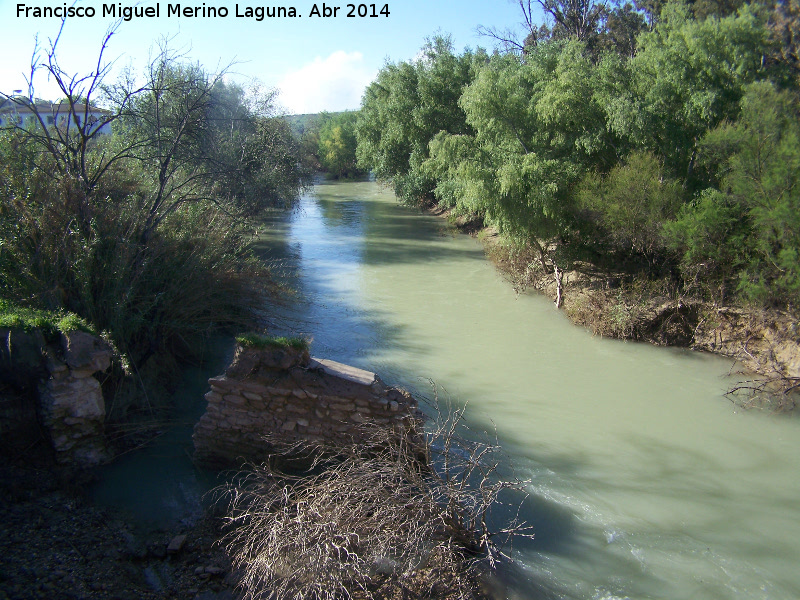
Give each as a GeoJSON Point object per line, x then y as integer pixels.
{"type": "Point", "coordinates": [645, 481]}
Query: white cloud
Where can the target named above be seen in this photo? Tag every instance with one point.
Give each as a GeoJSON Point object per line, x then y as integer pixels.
{"type": "Point", "coordinates": [334, 83]}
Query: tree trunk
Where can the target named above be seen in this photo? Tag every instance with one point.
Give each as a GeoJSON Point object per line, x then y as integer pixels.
{"type": "Point", "coordinates": [559, 275]}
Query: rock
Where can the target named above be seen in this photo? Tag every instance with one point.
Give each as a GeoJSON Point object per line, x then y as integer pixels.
{"type": "Point", "coordinates": [54, 365]}
{"type": "Point", "coordinates": [69, 405]}
{"type": "Point", "coordinates": [395, 394]}
{"type": "Point", "coordinates": [176, 544]}
{"type": "Point", "coordinates": [342, 371]}
{"type": "Point", "coordinates": [248, 361]}
{"type": "Point", "coordinates": [261, 398]}
{"type": "Point", "coordinates": [85, 351]}
{"type": "Point", "coordinates": [134, 546]}
{"type": "Point", "coordinates": [73, 412]}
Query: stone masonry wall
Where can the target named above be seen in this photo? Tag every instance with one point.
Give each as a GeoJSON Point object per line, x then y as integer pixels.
{"type": "Point", "coordinates": [283, 395]}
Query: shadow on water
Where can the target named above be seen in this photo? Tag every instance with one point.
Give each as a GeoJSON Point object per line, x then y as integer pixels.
{"type": "Point", "coordinates": [159, 486]}
{"type": "Point", "coordinates": [390, 234]}
{"type": "Point", "coordinates": [315, 253]}
{"type": "Point", "coordinates": [346, 337]}
{"type": "Point", "coordinates": [560, 535]}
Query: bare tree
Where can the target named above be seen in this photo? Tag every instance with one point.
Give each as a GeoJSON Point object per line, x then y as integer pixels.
{"type": "Point", "coordinates": [774, 391]}
{"type": "Point", "coordinates": [580, 19]}
{"type": "Point", "coordinates": [171, 109]}
{"type": "Point", "coordinates": [508, 38]}
{"type": "Point", "coordinates": [67, 131]}
{"type": "Point", "coordinates": [168, 119]}
{"type": "Point", "coordinates": [577, 18]}
{"type": "Point", "coordinates": [169, 123]}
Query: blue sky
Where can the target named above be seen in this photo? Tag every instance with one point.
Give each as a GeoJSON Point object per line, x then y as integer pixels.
{"type": "Point", "coordinates": [318, 63]}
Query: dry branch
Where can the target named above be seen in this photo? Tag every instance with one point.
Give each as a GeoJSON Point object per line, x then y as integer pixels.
{"type": "Point", "coordinates": [776, 392]}
{"type": "Point", "coordinates": [404, 514]}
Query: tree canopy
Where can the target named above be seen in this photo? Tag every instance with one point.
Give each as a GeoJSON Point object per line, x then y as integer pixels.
{"type": "Point", "coordinates": [661, 130]}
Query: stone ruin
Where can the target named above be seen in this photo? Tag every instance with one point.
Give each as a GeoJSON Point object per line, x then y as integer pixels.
{"type": "Point", "coordinates": [265, 397]}
{"type": "Point", "coordinates": [282, 395]}
{"type": "Point", "coordinates": [51, 388]}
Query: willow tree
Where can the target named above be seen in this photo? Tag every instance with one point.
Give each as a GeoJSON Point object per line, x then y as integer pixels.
{"type": "Point", "coordinates": [538, 127]}
{"type": "Point", "coordinates": [405, 107]}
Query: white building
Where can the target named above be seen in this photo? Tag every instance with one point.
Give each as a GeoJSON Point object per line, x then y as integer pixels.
{"type": "Point", "coordinates": [17, 111]}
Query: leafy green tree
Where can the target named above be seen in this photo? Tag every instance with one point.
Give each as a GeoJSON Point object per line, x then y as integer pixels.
{"type": "Point", "coordinates": [250, 153]}
{"type": "Point", "coordinates": [633, 203]}
{"type": "Point", "coordinates": [711, 236]}
{"type": "Point", "coordinates": [537, 128]}
{"type": "Point", "coordinates": [405, 107]}
{"type": "Point", "coordinates": [746, 234]}
{"type": "Point", "coordinates": [307, 128]}
{"type": "Point", "coordinates": [763, 177]}
{"type": "Point", "coordinates": [686, 78]}
{"type": "Point", "coordinates": [385, 130]}
{"type": "Point", "coordinates": [337, 146]}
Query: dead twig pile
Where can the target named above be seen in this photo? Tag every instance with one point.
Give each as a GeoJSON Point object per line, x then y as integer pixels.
{"type": "Point", "coordinates": [374, 519]}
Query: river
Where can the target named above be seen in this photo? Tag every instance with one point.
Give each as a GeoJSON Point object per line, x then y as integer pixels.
{"type": "Point", "coordinates": [644, 480]}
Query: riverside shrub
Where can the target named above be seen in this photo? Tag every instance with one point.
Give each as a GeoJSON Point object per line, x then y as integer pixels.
{"type": "Point", "coordinates": [145, 233]}
{"type": "Point", "coordinates": [193, 275]}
